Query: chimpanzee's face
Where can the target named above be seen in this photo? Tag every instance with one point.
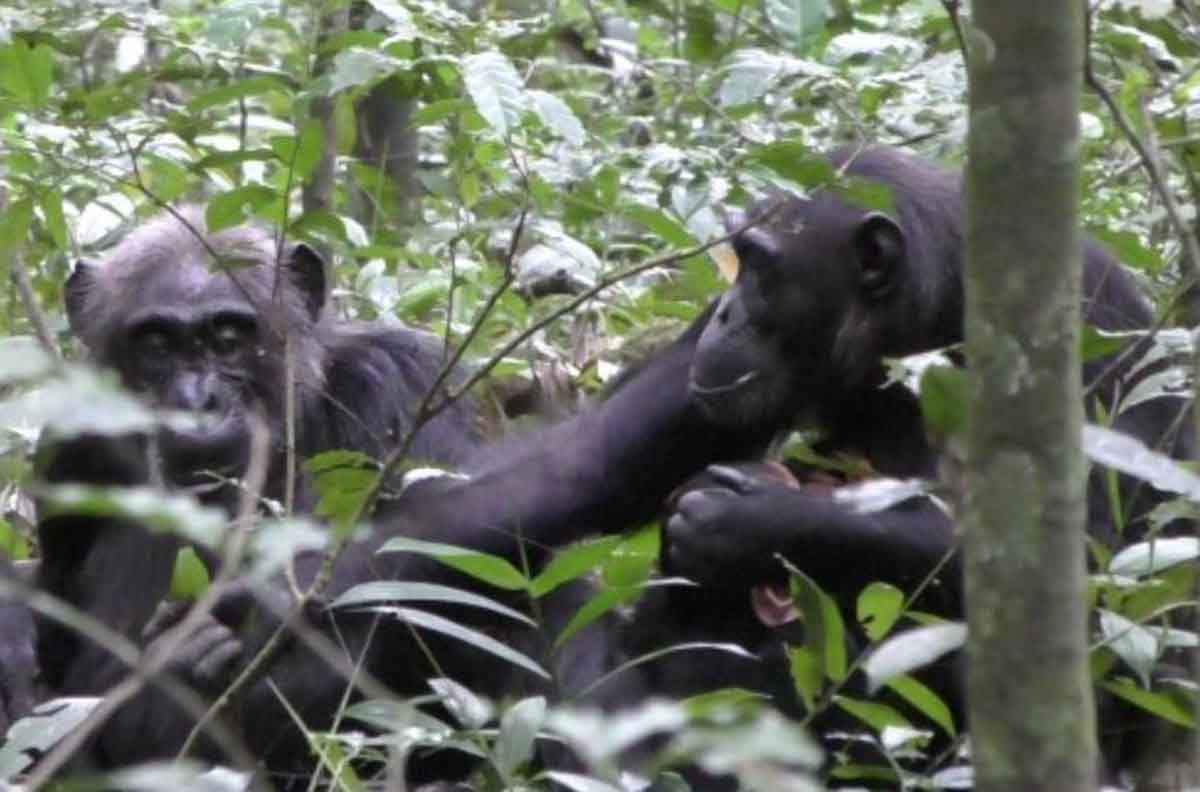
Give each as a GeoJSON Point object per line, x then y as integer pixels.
{"type": "Point", "coordinates": [797, 328]}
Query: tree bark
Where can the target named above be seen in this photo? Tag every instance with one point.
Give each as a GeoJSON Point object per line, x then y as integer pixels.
{"type": "Point", "coordinates": [1031, 710]}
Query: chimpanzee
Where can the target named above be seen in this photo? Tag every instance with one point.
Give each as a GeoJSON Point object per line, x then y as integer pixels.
{"type": "Point", "coordinates": [199, 322]}
{"type": "Point", "coordinates": [825, 291]}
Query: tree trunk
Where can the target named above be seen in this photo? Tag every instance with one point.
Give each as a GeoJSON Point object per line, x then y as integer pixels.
{"type": "Point", "coordinates": [1031, 711]}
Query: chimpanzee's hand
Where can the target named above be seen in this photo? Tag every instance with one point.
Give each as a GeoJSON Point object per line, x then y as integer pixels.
{"type": "Point", "coordinates": [727, 531]}
{"type": "Point", "coordinates": [206, 658]}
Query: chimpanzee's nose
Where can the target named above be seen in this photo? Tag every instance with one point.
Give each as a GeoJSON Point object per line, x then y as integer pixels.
{"type": "Point", "coordinates": [196, 391]}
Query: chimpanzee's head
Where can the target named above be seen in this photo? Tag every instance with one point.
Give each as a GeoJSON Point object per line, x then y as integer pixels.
{"type": "Point", "coordinates": [825, 289]}
{"type": "Point", "coordinates": [197, 322]}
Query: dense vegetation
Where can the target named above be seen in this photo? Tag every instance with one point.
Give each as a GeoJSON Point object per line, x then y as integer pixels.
{"type": "Point", "coordinates": [539, 183]}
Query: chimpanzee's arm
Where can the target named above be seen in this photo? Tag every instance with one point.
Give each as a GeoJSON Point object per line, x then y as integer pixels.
{"type": "Point", "coordinates": [736, 534]}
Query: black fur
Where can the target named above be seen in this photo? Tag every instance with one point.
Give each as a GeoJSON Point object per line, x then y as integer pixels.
{"type": "Point", "coordinates": [826, 290]}
{"type": "Point", "coordinates": [207, 335]}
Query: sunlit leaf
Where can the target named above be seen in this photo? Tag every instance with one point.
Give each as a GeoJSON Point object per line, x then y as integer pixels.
{"type": "Point", "coordinates": [379, 591]}
{"type": "Point", "coordinates": [490, 569]}
{"type": "Point", "coordinates": [911, 650]}
{"type": "Point", "coordinates": [878, 608]}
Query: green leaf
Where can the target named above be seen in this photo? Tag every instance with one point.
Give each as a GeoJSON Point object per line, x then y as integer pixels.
{"type": "Point", "coordinates": [1148, 558]}
{"type": "Point", "coordinates": [481, 566]}
{"type": "Point", "coordinates": [496, 89]}
{"type": "Point", "coordinates": [231, 208]}
{"type": "Point", "coordinates": [944, 400]}
{"type": "Point", "coordinates": [238, 89]}
{"type": "Point", "coordinates": [912, 649]}
{"type": "Point", "coordinates": [878, 608]}
{"type": "Point", "coordinates": [930, 704]}
{"type": "Point", "coordinates": [801, 22]}
{"type": "Point", "coordinates": [877, 716]}
{"type": "Point", "coordinates": [190, 578]}
{"type": "Point", "coordinates": [661, 224]}
{"type": "Point", "coordinates": [806, 671]}
{"type": "Point", "coordinates": [795, 162]}
{"type": "Point", "coordinates": [357, 67]}
{"type": "Point", "coordinates": [378, 591]}
{"type": "Point", "coordinates": [572, 563]}
{"type": "Point", "coordinates": [343, 480]}
{"type": "Point", "coordinates": [477, 639]}
{"type": "Point", "coordinates": [56, 224]}
{"type": "Point", "coordinates": [302, 152]}
{"type": "Point", "coordinates": [27, 73]}
{"type": "Point", "coordinates": [518, 729]}
{"type": "Point", "coordinates": [558, 117]}
{"type": "Point", "coordinates": [14, 224]}
{"type": "Point", "coordinates": [600, 604]}
{"type": "Point", "coordinates": [1164, 706]}
{"type": "Point", "coordinates": [1129, 455]}
{"type": "Point", "coordinates": [824, 630]}
{"type": "Point", "coordinates": [700, 42]}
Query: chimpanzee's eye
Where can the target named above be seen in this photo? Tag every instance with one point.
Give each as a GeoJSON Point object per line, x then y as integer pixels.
{"type": "Point", "coordinates": [152, 343]}
{"type": "Point", "coordinates": [231, 337]}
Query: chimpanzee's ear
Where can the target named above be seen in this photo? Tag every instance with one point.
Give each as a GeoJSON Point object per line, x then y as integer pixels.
{"type": "Point", "coordinates": [879, 246]}
{"type": "Point", "coordinates": [307, 269]}
{"type": "Point", "coordinates": [79, 287]}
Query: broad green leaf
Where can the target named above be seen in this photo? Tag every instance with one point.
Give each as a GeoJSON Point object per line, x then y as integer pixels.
{"type": "Point", "coordinates": [14, 224]}
{"type": "Point", "coordinates": [600, 604]}
{"type": "Point", "coordinates": [799, 21]}
{"type": "Point", "coordinates": [496, 89]}
{"type": "Point", "coordinates": [877, 716]}
{"type": "Point", "coordinates": [357, 67]}
{"type": "Point", "coordinates": [231, 208]}
{"type": "Point", "coordinates": [558, 117]}
{"type": "Point", "coordinates": [56, 224]}
{"type": "Point", "coordinates": [794, 162]}
{"type": "Point", "coordinates": [878, 609]}
{"type": "Point", "coordinates": [379, 591]}
{"type": "Point", "coordinates": [1131, 456]}
{"type": "Point", "coordinates": [190, 578]}
{"type": "Point", "coordinates": [666, 227]}
{"type": "Point", "coordinates": [490, 569]}
{"type": "Point", "coordinates": [1148, 558]}
{"type": "Point", "coordinates": [26, 72]}
{"type": "Point", "coordinates": [519, 726]}
{"type": "Point", "coordinates": [301, 152]}
{"type": "Point", "coordinates": [1138, 646]}
{"type": "Point", "coordinates": [700, 42]}
{"type": "Point", "coordinates": [81, 400]}
{"type": "Point", "coordinates": [930, 704]}
{"type": "Point", "coordinates": [912, 649]}
{"type": "Point", "coordinates": [572, 563]}
{"type": "Point", "coordinates": [807, 675]}
{"type": "Point", "coordinates": [823, 628]}
{"type": "Point", "coordinates": [944, 400]}
{"type": "Point", "coordinates": [1161, 704]}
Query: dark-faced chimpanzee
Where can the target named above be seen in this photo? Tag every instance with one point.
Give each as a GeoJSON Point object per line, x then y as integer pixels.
{"type": "Point", "coordinates": [202, 323]}
{"type": "Point", "coordinates": [210, 340]}
{"type": "Point", "coordinates": [825, 291]}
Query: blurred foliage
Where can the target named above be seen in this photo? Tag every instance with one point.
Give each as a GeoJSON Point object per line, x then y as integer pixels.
{"type": "Point", "coordinates": [624, 130]}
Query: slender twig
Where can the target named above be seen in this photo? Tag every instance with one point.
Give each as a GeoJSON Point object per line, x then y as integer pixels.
{"type": "Point", "coordinates": [33, 311]}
